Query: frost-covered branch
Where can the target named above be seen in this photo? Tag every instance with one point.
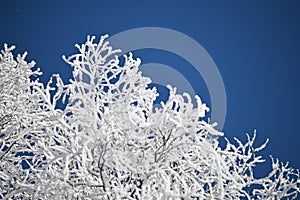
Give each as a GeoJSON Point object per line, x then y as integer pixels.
{"type": "Point", "coordinates": [109, 142]}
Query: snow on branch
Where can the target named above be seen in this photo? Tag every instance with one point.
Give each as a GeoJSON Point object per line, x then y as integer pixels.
{"type": "Point", "coordinates": [110, 142]}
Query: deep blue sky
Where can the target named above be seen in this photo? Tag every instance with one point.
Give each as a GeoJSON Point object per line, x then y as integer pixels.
{"type": "Point", "coordinates": [255, 44]}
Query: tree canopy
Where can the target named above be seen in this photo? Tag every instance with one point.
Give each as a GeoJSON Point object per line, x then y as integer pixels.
{"type": "Point", "coordinates": [108, 141]}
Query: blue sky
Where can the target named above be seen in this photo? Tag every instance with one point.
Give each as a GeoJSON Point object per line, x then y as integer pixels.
{"type": "Point", "coordinates": [255, 45]}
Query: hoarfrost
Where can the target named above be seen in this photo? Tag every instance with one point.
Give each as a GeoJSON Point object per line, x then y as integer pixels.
{"type": "Point", "coordinates": [109, 142]}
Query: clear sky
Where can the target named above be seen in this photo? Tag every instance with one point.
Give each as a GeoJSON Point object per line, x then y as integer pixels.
{"type": "Point", "coordinates": [255, 45]}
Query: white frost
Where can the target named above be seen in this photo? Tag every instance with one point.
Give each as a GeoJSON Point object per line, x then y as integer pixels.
{"type": "Point", "coordinates": [110, 143]}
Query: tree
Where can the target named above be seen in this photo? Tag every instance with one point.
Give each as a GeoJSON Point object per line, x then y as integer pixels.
{"type": "Point", "coordinates": [109, 142]}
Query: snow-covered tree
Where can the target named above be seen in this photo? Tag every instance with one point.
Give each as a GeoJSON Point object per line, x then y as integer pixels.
{"type": "Point", "coordinates": [109, 142]}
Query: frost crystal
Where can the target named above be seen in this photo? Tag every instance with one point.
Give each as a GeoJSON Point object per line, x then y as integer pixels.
{"type": "Point", "coordinates": [109, 142]}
